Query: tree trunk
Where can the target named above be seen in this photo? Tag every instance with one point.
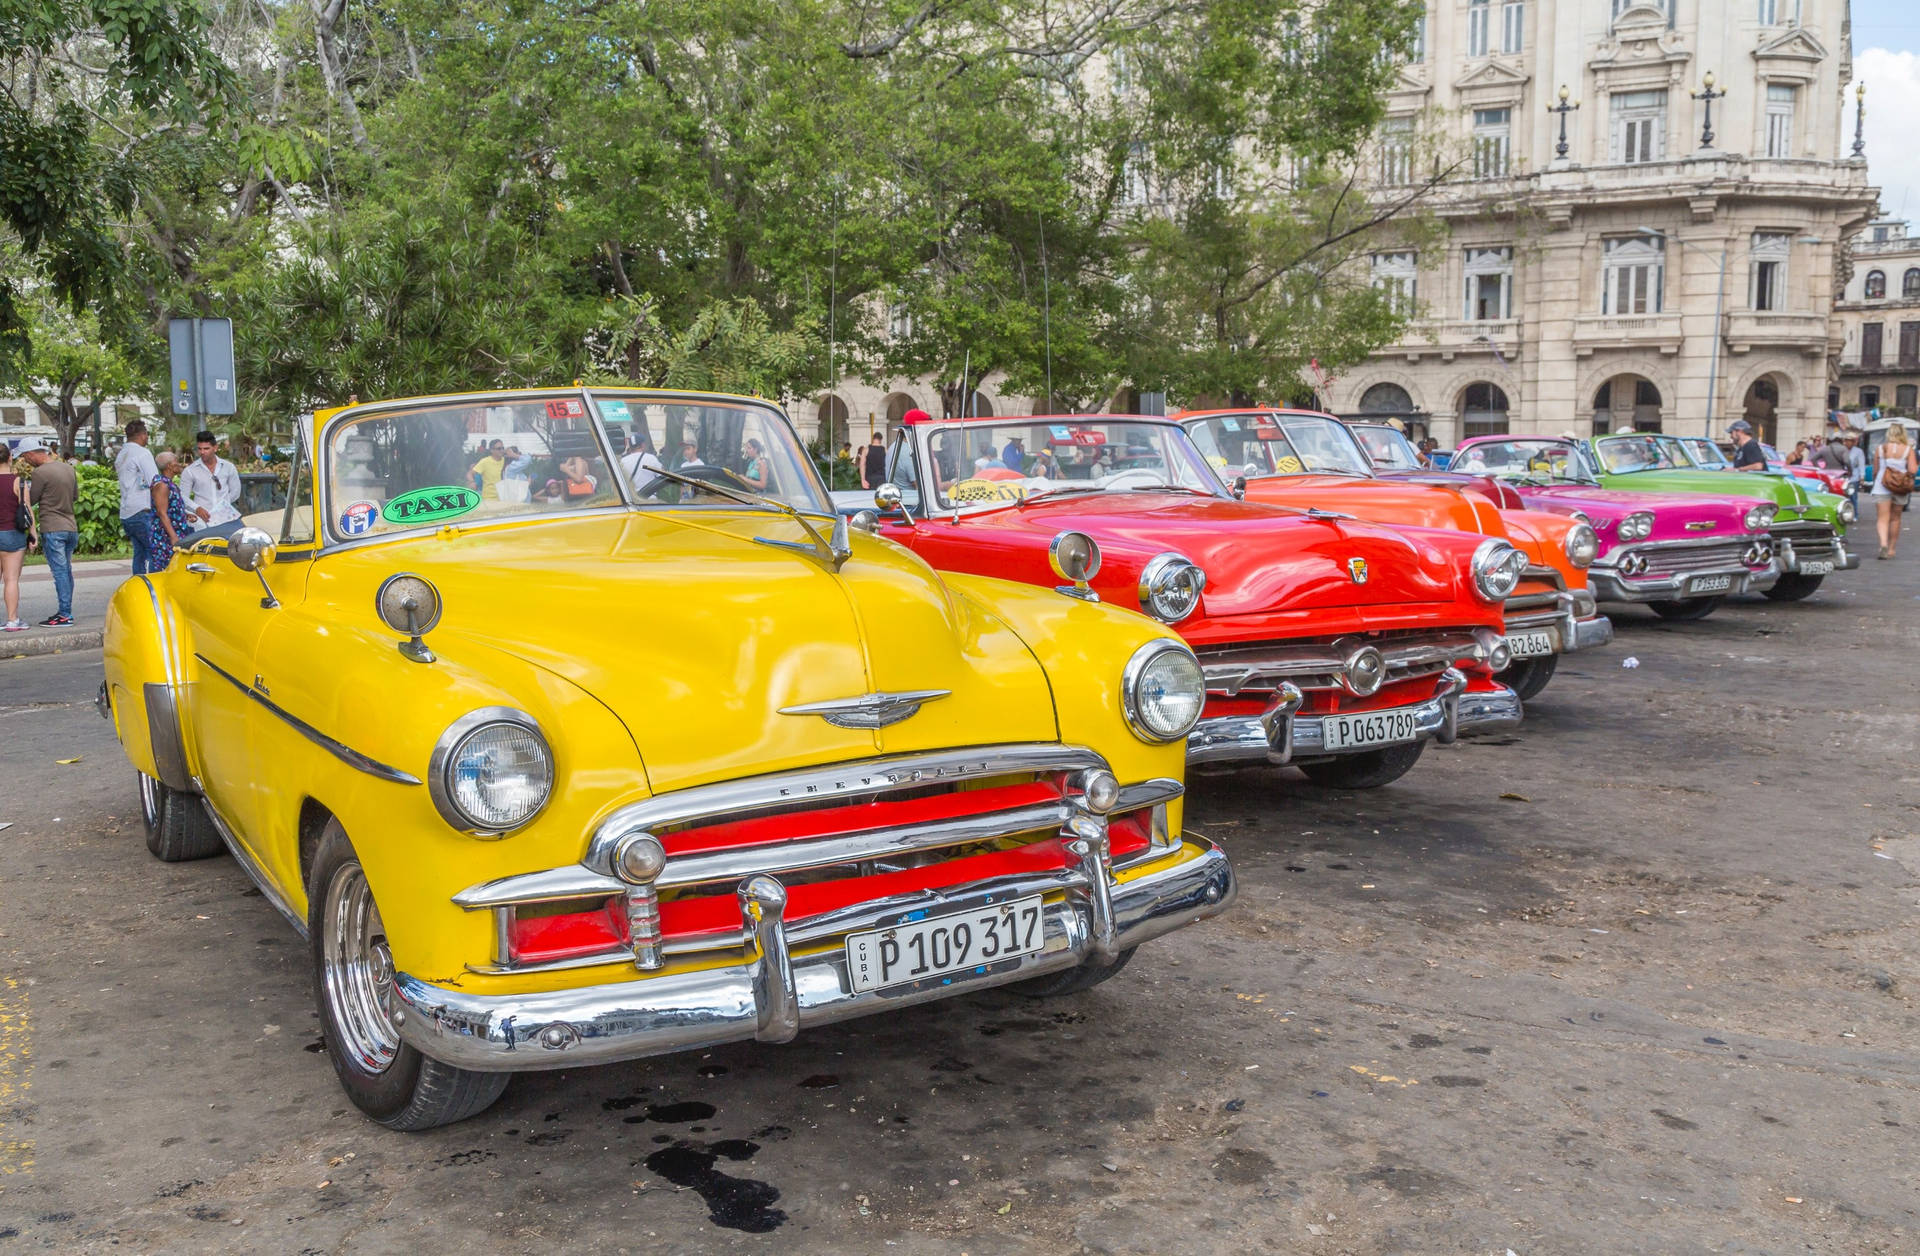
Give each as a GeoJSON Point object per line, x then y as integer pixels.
{"type": "Point", "coordinates": [326, 18]}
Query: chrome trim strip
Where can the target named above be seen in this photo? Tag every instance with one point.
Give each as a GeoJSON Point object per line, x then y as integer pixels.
{"type": "Point", "coordinates": [251, 866]}
{"type": "Point", "coordinates": [869, 710]}
{"type": "Point", "coordinates": [1243, 738]}
{"type": "Point", "coordinates": [1147, 794]}
{"type": "Point", "coordinates": [346, 754]}
{"type": "Point", "coordinates": [164, 736]}
{"type": "Point", "coordinates": [1231, 671]}
{"type": "Point", "coordinates": [654, 1015]}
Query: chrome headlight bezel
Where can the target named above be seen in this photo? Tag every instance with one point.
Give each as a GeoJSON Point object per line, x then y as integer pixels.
{"type": "Point", "coordinates": [1759, 516]}
{"type": "Point", "coordinates": [1497, 567]}
{"type": "Point", "coordinates": [1845, 512]}
{"type": "Point", "coordinates": [1637, 526]}
{"type": "Point", "coordinates": [1582, 545]}
{"type": "Point", "coordinates": [1170, 587]}
{"type": "Point", "coordinates": [1135, 675]}
{"type": "Point", "coordinates": [446, 757]}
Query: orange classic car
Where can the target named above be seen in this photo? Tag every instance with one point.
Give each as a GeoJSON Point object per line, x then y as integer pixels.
{"type": "Point", "coordinates": [1309, 460]}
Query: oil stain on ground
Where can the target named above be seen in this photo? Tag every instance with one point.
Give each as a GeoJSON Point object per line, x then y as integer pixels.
{"type": "Point", "coordinates": [732, 1202]}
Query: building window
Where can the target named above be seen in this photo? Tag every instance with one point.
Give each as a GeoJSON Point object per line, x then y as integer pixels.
{"type": "Point", "coordinates": [1386, 399]}
{"type": "Point", "coordinates": [1635, 273]}
{"type": "Point", "coordinates": [1478, 17]}
{"type": "Point", "coordinates": [1513, 22]}
{"type": "Point", "coordinates": [1869, 396]}
{"type": "Point", "coordinates": [1397, 275]}
{"type": "Point", "coordinates": [1909, 346]}
{"type": "Point", "coordinates": [1489, 284]}
{"type": "Point", "coordinates": [1492, 142]}
{"type": "Point", "coordinates": [1779, 12]}
{"type": "Point", "coordinates": [1418, 53]}
{"type": "Point", "coordinates": [1876, 284]}
{"type": "Point", "coordinates": [1639, 126]}
{"type": "Point", "coordinates": [1780, 99]}
{"type": "Point", "coordinates": [1871, 335]}
{"type": "Point", "coordinates": [1134, 187]}
{"type": "Point", "coordinates": [1905, 396]}
{"type": "Point", "coordinates": [1396, 151]}
{"type": "Point", "coordinates": [1483, 410]}
{"type": "Point", "coordinates": [1768, 283]}
{"type": "Point", "coordinates": [1910, 283]}
{"type": "Point", "coordinates": [899, 321]}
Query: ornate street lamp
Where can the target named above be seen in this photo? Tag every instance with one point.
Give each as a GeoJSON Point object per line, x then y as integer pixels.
{"type": "Point", "coordinates": [1563, 109]}
{"type": "Point", "coordinates": [1860, 120]}
{"type": "Point", "coordinates": [1707, 94]}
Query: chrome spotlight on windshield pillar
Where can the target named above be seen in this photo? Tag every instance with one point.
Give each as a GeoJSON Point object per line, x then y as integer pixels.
{"type": "Point", "coordinates": [251, 550]}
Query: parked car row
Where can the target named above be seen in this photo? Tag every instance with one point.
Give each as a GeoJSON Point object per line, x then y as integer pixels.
{"type": "Point", "coordinates": [664, 747]}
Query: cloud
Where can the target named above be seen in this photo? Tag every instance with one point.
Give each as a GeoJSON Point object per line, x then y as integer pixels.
{"type": "Point", "coordinates": [1893, 106]}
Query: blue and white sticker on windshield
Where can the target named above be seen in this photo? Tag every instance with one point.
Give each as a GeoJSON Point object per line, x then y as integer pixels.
{"type": "Point", "coordinates": [614, 410]}
{"type": "Point", "coordinates": [358, 518]}
{"type": "Point", "coordinates": [1231, 425]}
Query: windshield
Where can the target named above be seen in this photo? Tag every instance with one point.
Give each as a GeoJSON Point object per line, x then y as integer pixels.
{"type": "Point", "coordinates": [975, 464]}
{"type": "Point", "coordinates": [1703, 452]}
{"type": "Point", "coordinates": [1389, 448]}
{"type": "Point", "coordinates": [1278, 444]}
{"type": "Point", "coordinates": [486, 459]}
{"type": "Point", "coordinates": [1641, 452]}
{"type": "Point", "coordinates": [1535, 461]}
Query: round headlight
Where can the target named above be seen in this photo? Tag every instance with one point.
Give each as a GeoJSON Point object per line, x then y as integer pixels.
{"type": "Point", "coordinates": [1074, 557]}
{"type": "Point", "coordinates": [1162, 691]}
{"type": "Point", "coordinates": [408, 604]}
{"type": "Point", "coordinates": [1583, 546]}
{"type": "Point", "coordinates": [1170, 587]}
{"type": "Point", "coordinates": [1760, 517]}
{"type": "Point", "coordinates": [1637, 526]}
{"type": "Point", "coordinates": [1845, 512]}
{"type": "Point", "coordinates": [491, 771]}
{"type": "Point", "coordinates": [1497, 568]}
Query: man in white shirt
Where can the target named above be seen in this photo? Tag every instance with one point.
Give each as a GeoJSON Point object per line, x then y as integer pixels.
{"type": "Point", "coordinates": [641, 458]}
{"type": "Point", "coordinates": [136, 471]}
{"type": "Point", "coordinates": [211, 488]}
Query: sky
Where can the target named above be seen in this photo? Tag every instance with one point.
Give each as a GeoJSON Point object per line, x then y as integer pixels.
{"type": "Point", "coordinates": [1886, 57]}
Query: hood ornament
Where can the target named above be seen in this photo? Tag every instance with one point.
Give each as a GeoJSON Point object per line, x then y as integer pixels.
{"type": "Point", "coordinates": [869, 710]}
{"type": "Point", "coordinates": [1357, 568]}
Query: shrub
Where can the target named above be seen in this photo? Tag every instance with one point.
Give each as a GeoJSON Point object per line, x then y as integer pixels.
{"type": "Point", "coordinates": [96, 509]}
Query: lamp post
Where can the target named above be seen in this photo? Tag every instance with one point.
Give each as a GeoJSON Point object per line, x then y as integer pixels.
{"type": "Point", "coordinates": [1719, 301]}
{"type": "Point", "coordinates": [1860, 121]}
{"type": "Point", "coordinates": [1707, 94]}
{"type": "Point", "coordinates": [1563, 109]}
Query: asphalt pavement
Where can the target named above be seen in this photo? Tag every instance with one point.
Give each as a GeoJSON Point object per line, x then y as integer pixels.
{"type": "Point", "coordinates": [1637, 977]}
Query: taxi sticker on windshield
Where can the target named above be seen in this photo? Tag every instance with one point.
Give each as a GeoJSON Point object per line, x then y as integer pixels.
{"type": "Point", "coordinates": [1230, 425]}
{"type": "Point", "coordinates": [566, 408]}
{"type": "Point", "coordinates": [615, 411]}
{"type": "Point", "coordinates": [429, 505]}
{"type": "Point", "coordinates": [966, 491]}
{"type": "Point", "coordinates": [1289, 465]}
{"type": "Point", "coordinates": [358, 518]}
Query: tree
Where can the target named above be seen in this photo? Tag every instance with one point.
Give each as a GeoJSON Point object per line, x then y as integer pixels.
{"type": "Point", "coordinates": [71, 360]}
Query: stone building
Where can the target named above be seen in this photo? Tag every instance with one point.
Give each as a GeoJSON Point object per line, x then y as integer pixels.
{"type": "Point", "coordinates": [1643, 272]}
{"type": "Point", "coordinates": [1876, 324]}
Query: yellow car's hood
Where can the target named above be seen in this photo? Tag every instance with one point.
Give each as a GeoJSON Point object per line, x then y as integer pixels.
{"type": "Point", "coordinates": [696, 635]}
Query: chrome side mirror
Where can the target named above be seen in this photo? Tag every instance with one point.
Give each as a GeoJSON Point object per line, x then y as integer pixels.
{"type": "Point", "coordinates": [251, 550]}
{"type": "Point", "coordinates": [888, 497]}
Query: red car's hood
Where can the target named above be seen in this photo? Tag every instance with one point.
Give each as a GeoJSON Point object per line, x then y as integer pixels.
{"type": "Point", "coordinates": [1258, 558]}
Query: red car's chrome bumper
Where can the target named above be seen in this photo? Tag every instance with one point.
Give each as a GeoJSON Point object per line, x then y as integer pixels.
{"type": "Point", "coordinates": [1281, 735]}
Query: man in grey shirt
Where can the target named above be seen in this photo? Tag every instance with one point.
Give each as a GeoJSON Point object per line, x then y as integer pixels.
{"type": "Point", "coordinates": [136, 470]}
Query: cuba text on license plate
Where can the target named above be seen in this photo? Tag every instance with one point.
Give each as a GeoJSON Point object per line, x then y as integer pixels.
{"type": "Point", "coordinates": [1374, 728]}
{"type": "Point", "coordinates": [940, 945]}
{"type": "Point", "coordinates": [1709, 584]}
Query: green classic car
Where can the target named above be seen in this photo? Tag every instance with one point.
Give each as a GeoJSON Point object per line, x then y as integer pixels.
{"type": "Point", "coordinates": [1809, 526]}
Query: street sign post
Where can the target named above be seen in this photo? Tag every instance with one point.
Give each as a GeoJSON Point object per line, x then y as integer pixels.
{"type": "Point", "coordinates": [201, 350]}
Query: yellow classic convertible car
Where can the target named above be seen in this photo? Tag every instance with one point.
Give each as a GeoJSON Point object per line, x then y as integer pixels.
{"type": "Point", "coordinates": [572, 726]}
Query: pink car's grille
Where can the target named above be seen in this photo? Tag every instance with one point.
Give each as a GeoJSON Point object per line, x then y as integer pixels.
{"type": "Point", "coordinates": [1662, 561]}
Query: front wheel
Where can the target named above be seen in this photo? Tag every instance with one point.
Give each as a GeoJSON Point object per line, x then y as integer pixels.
{"type": "Point", "coordinates": [353, 978]}
{"type": "Point", "coordinates": [1687, 611]}
{"type": "Point", "coordinates": [177, 825]}
{"type": "Point", "coordinates": [1367, 770]}
{"type": "Point", "coordinates": [1529, 676]}
{"type": "Point", "coordinates": [1794, 586]}
{"type": "Point", "coordinates": [1073, 980]}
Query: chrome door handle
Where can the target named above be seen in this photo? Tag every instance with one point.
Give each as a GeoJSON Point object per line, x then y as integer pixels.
{"type": "Point", "coordinates": [200, 569]}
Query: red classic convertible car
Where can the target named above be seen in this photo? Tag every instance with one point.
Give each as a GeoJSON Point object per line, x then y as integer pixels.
{"type": "Point", "coordinates": [1328, 642]}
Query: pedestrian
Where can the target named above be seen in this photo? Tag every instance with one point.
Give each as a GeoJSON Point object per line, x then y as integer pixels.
{"type": "Point", "coordinates": [1014, 454]}
{"type": "Point", "coordinates": [1798, 457]}
{"type": "Point", "coordinates": [873, 468]}
{"type": "Point", "coordinates": [1894, 467]}
{"type": "Point", "coordinates": [488, 472]}
{"type": "Point", "coordinates": [757, 473]}
{"type": "Point", "coordinates": [135, 469]}
{"type": "Point", "coordinates": [1856, 469]}
{"type": "Point", "coordinates": [16, 534]}
{"type": "Point", "coordinates": [519, 465]}
{"type": "Point", "coordinates": [1747, 454]}
{"type": "Point", "coordinates": [169, 519]}
{"type": "Point", "coordinates": [638, 458]}
{"type": "Point", "coordinates": [211, 487]}
{"type": "Point", "coordinates": [54, 487]}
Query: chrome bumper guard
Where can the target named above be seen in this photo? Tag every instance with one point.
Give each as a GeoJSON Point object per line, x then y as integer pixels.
{"type": "Point", "coordinates": [1789, 555]}
{"type": "Point", "coordinates": [1279, 735]}
{"type": "Point", "coordinates": [776, 992]}
{"type": "Point", "coordinates": [1572, 621]}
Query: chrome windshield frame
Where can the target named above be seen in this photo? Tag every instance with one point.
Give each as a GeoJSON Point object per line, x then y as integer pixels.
{"type": "Point", "coordinates": [921, 435]}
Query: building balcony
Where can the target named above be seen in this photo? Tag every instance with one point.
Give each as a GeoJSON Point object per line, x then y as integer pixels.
{"type": "Point", "coordinates": [1449, 339]}
{"type": "Point", "coordinates": [1857, 363]}
{"type": "Point", "coordinates": [1777, 329]}
{"type": "Point", "coordinates": [1627, 331]}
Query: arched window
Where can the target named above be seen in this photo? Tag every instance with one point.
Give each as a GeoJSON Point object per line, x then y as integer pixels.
{"type": "Point", "coordinates": [1483, 410]}
{"type": "Point", "coordinates": [1876, 284]}
{"type": "Point", "coordinates": [1385, 399]}
{"type": "Point", "coordinates": [1910, 282]}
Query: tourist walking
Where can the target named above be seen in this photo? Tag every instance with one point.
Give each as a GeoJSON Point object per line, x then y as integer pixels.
{"type": "Point", "coordinates": [1894, 467]}
{"type": "Point", "coordinates": [53, 489]}
{"type": "Point", "coordinates": [16, 534]}
{"type": "Point", "coordinates": [169, 506]}
{"type": "Point", "coordinates": [135, 469]}
{"type": "Point", "coordinates": [1856, 469]}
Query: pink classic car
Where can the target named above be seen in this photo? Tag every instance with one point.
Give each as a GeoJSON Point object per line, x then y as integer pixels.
{"type": "Point", "coordinates": [1678, 553]}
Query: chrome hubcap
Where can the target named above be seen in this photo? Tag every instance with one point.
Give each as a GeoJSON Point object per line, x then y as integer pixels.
{"type": "Point", "coordinates": [358, 972]}
{"type": "Point", "coordinates": [149, 800]}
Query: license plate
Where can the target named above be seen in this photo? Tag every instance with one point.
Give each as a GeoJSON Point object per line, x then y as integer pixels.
{"type": "Point", "coordinates": [1529, 645]}
{"type": "Point", "coordinates": [1709, 584]}
{"type": "Point", "coordinates": [947, 944]}
{"type": "Point", "coordinates": [1821, 568]}
{"type": "Point", "coordinates": [1374, 728]}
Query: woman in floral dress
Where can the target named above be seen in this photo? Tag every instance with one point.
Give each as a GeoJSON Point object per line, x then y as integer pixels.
{"type": "Point", "coordinates": [168, 528]}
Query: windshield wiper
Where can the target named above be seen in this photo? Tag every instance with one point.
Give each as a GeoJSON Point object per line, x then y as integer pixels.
{"type": "Point", "coordinates": [1167, 488]}
{"type": "Point", "coordinates": [1063, 491]}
